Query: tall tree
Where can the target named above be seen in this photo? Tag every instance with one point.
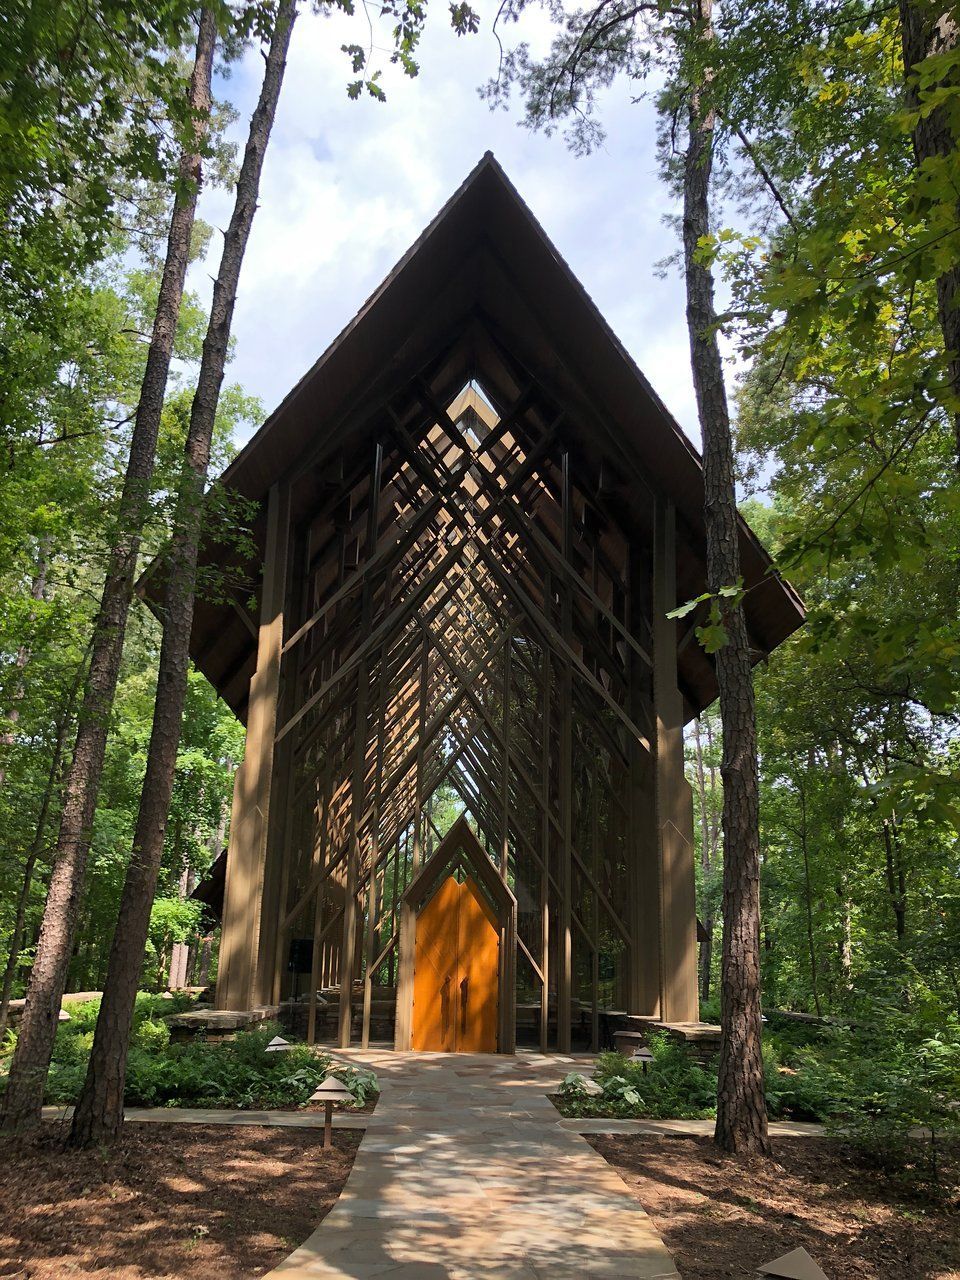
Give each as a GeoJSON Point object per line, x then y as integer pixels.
{"type": "Point", "coordinates": [64, 722]}
{"type": "Point", "coordinates": [24, 1095]}
{"type": "Point", "coordinates": [741, 1104]}
{"type": "Point", "coordinates": [99, 1113]}
{"type": "Point", "coordinates": [930, 34]}
{"type": "Point", "coordinates": [594, 47]}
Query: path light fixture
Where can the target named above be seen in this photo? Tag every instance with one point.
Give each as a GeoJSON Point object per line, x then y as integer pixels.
{"type": "Point", "coordinates": [63, 1016]}
{"type": "Point", "coordinates": [795, 1265]}
{"type": "Point", "coordinates": [278, 1045]}
{"type": "Point", "coordinates": [328, 1092]}
{"type": "Point", "coordinates": [643, 1056]}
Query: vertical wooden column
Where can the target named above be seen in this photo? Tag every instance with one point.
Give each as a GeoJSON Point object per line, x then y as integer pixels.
{"type": "Point", "coordinates": [643, 981]}
{"type": "Point", "coordinates": [250, 816]}
{"type": "Point", "coordinates": [273, 944]}
{"type": "Point", "coordinates": [351, 915]}
{"type": "Point", "coordinates": [565, 934]}
{"type": "Point", "coordinates": [505, 780]}
{"type": "Point", "coordinates": [418, 829]}
{"type": "Point", "coordinates": [545, 845]}
{"type": "Point", "coordinates": [674, 816]}
{"type": "Point", "coordinates": [373, 897]}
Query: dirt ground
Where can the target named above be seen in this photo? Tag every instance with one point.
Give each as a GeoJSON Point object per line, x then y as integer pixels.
{"type": "Point", "coordinates": [176, 1202]}
{"type": "Point", "coordinates": [722, 1217]}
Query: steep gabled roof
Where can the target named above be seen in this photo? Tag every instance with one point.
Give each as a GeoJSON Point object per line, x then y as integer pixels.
{"type": "Point", "coordinates": [480, 294]}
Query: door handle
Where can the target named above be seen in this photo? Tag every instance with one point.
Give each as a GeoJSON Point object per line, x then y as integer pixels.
{"type": "Point", "coordinates": [444, 1007]}
{"type": "Point", "coordinates": [464, 992]}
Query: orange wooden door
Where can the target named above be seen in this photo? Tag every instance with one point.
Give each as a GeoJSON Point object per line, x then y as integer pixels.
{"type": "Point", "coordinates": [478, 988]}
{"type": "Point", "coordinates": [435, 971]}
{"type": "Point", "coordinates": [456, 972]}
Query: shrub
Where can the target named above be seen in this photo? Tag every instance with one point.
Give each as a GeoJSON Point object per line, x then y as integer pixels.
{"type": "Point", "coordinates": [151, 1035]}
{"type": "Point", "coordinates": [674, 1086]}
{"type": "Point", "coordinates": [236, 1073]}
{"type": "Point", "coordinates": [891, 1080]}
{"type": "Point", "coordinates": [796, 1084]}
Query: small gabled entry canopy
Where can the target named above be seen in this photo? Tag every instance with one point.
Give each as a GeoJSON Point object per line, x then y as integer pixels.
{"type": "Point", "coordinates": [475, 518]}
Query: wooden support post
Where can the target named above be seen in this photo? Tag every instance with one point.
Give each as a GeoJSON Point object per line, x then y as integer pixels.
{"type": "Point", "coordinates": [595, 959]}
{"type": "Point", "coordinates": [674, 816]}
{"type": "Point", "coordinates": [545, 851]}
{"type": "Point", "coordinates": [373, 904]}
{"type": "Point", "coordinates": [505, 752]}
{"type": "Point", "coordinates": [421, 729]}
{"type": "Point", "coordinates": [643, 978]}
{"type": "Point", "coordinates": [243, 893]}
{"type": "Point", "coordinates": [565, 935]}
{"type": "Point", "coordinates": [351, 916]}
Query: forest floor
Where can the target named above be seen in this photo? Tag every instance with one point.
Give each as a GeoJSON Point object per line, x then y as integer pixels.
{"type": "Point", "coordinates": [166, 1202]}
{"type": "Point", "coordinates": [722, 1217]}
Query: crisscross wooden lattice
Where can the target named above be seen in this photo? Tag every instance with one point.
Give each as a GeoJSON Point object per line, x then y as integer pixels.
{"type": "Point", "coordinates": [470, 618]}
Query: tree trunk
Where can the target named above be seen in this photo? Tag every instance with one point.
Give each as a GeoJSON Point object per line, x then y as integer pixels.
{"type": "Point", "coordinates": [741, 1107]}
{"type": "Point", "coordinates": [927, 30]}
{"type": "Point", "coordinates": [38, 589]}
{"type": "Point", "coordinates": [895, 876]}
{"type": "Point", "coordinates": [24, 1096]}
{"type": "Point", "coordinates": [53, 777]}
{"type": "Point", "coordinates": [206, 955]}
{"type": "Point", "coordinates": [808, 895]}
{"type": "Point", "coordinates": [99, 1114]}
{"type": "Point", "coordinates": [706, 864]}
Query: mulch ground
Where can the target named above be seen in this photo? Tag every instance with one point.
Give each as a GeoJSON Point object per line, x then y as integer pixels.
{"type": "Point", "coordinates": [722, 1217]}
{"type": "Point", "coordinates": [176, 1202]}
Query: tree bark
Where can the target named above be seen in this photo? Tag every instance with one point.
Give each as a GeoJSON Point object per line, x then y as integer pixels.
{"type": "Point", "coordinates": [706, 864]}
{"type": "Point", "coordinates": [38, 589]}
{"type": "Point", "coordinates": [808, 895]}
{"type": "Point", "coordinates": [99, 1113]}
{"type": "Point", "coordinates": [36, 847]}
{"type": "Point", "coordinates": [928, 29]}
{"type": "Point", "coordinates": [741, 1107]}
{"type": "Point", "coordinates": [206, 955]}
{"type": "Point", "coordinates": [895, 876]}
{"type": "Point", "coordinates": [24, 1095]}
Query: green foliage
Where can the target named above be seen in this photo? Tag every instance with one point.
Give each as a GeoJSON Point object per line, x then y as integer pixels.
{"type": "Point", "coordinates": [874, 1083]}
{"type": "Point", "coordinates": [672, 1087]}
{"type": "Point", "coordinates": [895, 1076]}
{"type": "Point", "coordinates": [236, 1073]}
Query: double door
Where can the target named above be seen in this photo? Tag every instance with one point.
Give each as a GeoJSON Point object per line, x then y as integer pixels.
{"type": "Point", "coordinates": [456, 971]}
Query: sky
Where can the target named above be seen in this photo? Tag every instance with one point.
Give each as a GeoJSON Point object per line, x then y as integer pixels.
{"type": "Point", "coordinates": [347, 186]}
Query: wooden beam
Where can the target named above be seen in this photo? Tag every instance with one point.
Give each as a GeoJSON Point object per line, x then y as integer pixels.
{"type": "Point", "coordinates": [678, 912]}
{"type": "Point", "coordinates": [243, 891]}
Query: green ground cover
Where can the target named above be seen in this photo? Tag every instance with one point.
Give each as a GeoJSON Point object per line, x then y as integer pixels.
{"type": "Point", "coordinates": [236, 1073]}
{"type": "Point", "coordinates": [875, 1082]}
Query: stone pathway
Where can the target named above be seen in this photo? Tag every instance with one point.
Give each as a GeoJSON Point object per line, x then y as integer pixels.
{"type": "Point", "coordinates": [465, 1172]}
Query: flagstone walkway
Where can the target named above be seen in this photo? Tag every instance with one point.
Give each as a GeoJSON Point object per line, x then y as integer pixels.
{"type": "Point", "coordinates": [465, 1173]}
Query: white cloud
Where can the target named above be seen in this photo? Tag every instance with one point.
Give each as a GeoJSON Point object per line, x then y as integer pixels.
{"type": "Point", "coordinates": [348, 186]}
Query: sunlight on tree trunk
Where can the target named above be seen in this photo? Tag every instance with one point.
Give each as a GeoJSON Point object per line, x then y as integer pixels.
{"type": "Point", "coordinates": [741, 1106]}
{"type": "Point", "coordinates": [99, 1114]}
{"type": "Point", "coordinates": [23, 1099]}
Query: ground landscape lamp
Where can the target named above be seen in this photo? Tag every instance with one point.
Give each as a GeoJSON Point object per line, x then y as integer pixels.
{"type": "Point", "coordinates": [795, 1265]}
{"type": "Point", "coordinates": [644, 1056]}
{"type": "Point", "coordinates": [278, 1045]}
{"type": "Point", "coordinates": [330, 1091]}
